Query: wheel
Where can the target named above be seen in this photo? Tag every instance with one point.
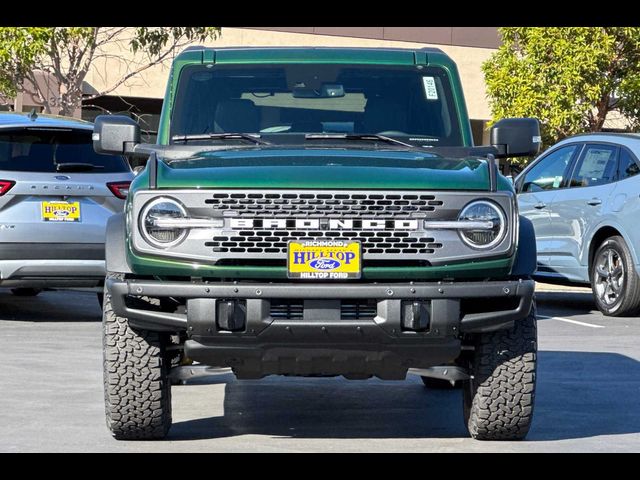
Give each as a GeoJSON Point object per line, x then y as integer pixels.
{"type": "Point", "coordinates": [614, 280]}
{"type": "Point", "coordinates": [25, 292]}
{"type": "Point", "coordinates": [137, 390]}
{"type": "Point", "coordinates": [440, 384]}
{"type": "Point", "coordinates": [498, 399]}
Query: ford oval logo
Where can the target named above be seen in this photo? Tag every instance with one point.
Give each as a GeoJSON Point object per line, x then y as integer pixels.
{"type": "Point", "coordinates": [62, 177]}
{"type": "Point", "coordinates": [62, 213]}
{"type": "Point", "coordinates": [324, 264]}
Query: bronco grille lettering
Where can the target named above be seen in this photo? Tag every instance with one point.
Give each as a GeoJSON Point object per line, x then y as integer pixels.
{"type": "Point", "coordinates": [323, 224]}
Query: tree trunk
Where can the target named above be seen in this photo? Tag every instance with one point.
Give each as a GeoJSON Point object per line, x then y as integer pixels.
{"type": "Point", "coordinates": [70, 100]}
{"type": "Point", "coordinates": [602, 108]}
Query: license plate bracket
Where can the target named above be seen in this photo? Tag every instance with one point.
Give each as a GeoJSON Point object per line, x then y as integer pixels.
{"type": "Point", "coordinates": [60, 211]}
{"type": "Point", "coordinates": [324, 259]}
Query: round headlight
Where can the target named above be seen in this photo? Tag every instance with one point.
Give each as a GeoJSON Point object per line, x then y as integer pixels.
{"type": "Point", "coordinates": [488, 213]}
{"type": "Point", "coordinates": [152, 217]}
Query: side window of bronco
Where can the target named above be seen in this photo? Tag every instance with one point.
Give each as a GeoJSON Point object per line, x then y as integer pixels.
{"type": "Point", "coordinates": [550, 172]}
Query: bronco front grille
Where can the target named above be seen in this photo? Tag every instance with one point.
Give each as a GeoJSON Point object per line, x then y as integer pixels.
{"type": "Point", "coordinates": [254, 227]}
{"type": "Point", "coordinates": [373, 242]}
{"type": "Point", "coordinates": [324, 204]}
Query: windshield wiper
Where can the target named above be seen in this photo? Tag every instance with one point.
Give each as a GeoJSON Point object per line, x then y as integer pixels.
{"type": "Point", "coordinates": [369, 137]}
{"type": "Point", "coordinates": [219, 136]}
{"type": "Point", "coordinates": [76, 167]}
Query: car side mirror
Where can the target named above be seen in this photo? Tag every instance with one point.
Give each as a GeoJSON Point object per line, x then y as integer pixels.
{"type": "Point", "coordinates": [115, 134]}
{"type": "Point", "coordinates": [516, 137]}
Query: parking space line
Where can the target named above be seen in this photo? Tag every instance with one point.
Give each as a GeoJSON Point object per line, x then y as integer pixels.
{"type": "Point", "coordinates": [576, 322]}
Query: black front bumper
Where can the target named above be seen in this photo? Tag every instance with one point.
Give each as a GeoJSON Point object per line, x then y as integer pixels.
{"type": "Point", "coordinates": [320, 342]}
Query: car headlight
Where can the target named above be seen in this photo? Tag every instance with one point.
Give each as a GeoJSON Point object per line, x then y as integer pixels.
{"type": "Point", "coordinates": [156, 222]}
{"type": "Point", "coordinates": [493, 230]}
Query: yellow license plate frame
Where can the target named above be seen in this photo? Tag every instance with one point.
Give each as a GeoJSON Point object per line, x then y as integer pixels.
{"type": "Point", "coordinates": [60, 211]}
{"type": "Point", "coordinates": [324, 259]}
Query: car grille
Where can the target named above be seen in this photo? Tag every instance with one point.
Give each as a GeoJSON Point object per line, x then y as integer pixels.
{"type": "Point", "coordinates": [324, 204]}
{"type": "Point", "coordinates": [287, 309]}
{"type": "Point", "coordinates": [373, 242]}
{"type": "Point", "coordinates": [246, 238]}
{"type": "Point", "coordinates": [380, 206]}
{"type": "Point", "coordinates": [357, 309]}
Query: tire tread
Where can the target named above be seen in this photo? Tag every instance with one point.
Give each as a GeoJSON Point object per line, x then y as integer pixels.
{"type": "Point", "coordinates": [137, 390]}
{"type": "Point", "coordinates": [499, 399]}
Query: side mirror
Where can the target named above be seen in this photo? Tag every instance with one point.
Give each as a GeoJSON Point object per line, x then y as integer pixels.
{"type": "Point", "coordinates": [516, 137]}
{"type": "Point", "coordinates": [115, 134]}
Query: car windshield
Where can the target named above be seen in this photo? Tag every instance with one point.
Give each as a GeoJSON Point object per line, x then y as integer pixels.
{"type": "Point", "coordinates": [411, 103]}
{"type": "Point", "coordinates": [54, 150]}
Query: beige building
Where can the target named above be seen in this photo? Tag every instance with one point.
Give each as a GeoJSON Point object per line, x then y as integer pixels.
{"type": "Point", "coordinates": [142, 95]}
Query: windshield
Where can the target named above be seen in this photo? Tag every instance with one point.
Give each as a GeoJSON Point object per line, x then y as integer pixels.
{"type": "Point", "coordinates": [51, 150]}
{"type": "Point", "coordinates": [412, 103]}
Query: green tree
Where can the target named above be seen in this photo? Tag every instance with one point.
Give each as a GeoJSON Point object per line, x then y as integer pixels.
{"type": "Point", "coordinates": [570, 78]}
{"type": "Point", "coordinates": [67, 54]}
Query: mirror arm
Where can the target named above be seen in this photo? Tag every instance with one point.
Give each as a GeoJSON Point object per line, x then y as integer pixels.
{"type": "Point", "coordinates": [152, 166]}
{"type": "Point", "coordinates": [501, 151]}
{"type": "Point", "coordinates": [493, 172]}
{"type": "Point", "coordinates": [129, 148]}
{"type": "Point", "coordinates": [138, 149]}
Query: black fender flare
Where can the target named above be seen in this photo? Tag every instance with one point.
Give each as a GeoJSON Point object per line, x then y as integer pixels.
{"type": "Point", "coordinates": [526, 256]}
{"type": "Point", "coordinates": [116, 244]}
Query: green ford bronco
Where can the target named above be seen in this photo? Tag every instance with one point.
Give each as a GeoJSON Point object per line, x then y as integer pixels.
{"type": "Point", "coordinates": [319, 212]}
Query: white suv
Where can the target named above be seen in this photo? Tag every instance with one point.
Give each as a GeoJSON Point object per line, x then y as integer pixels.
{"type": "Point", "coordinates": [582, 197]}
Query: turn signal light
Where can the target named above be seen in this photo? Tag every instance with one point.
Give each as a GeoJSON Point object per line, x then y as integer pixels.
{"type": "Point", "coordinates": [5, 186]}
{"type": "Point", "coordinates": [119, 189]}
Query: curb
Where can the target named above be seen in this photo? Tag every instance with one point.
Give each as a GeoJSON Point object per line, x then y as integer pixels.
{"type": "Point", "coordinates": [548, 287]}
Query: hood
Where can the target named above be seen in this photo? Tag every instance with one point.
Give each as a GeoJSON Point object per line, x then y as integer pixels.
{"type": "Point", "coordinates": [325, 168]}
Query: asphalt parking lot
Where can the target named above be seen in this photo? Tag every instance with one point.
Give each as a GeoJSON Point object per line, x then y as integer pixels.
{"type": "Point", "coordinates": [588, 396]}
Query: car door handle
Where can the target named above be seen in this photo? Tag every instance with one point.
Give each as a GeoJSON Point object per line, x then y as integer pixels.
{"type": "Point", "coordinates": [594, 202]}
{"type": "Point", "coordinates": [540, 205]}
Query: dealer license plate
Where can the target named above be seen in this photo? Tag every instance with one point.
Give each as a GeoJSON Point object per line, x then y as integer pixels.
{"type": "Point", "coordinates": [60, 211]}
{"type": "Point", "coordinates": [324, 259]}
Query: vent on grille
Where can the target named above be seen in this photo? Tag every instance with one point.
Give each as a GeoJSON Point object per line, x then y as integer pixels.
{"type": "Point", "coordinates": [365, 309]}
{"type": "Point", "coordinates": [380, 242]}
{"type": "Point", "coordinates": [358, 309]}
{"type": "Point", "coordinates": [287, 309]}
{"type": "Point", "coordinates": [324, 204]}
{"type": "Point", "coordinates": [282, 262]}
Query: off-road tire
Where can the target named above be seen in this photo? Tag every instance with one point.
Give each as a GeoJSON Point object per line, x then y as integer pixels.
{"type": "Point", "coordinates": [440, 384]}
{"type": "Point", "coordinates": [25, 292]}
{"type": "Point", "coordinates": [498, 399]}
{"type": "Point", "coordinates": [137, 390]}
{"type": "Point", "coordinates": [628, 302]}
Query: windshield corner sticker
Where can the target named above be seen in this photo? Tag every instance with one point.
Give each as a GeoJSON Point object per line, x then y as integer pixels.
{"type": "Point", "coordinates": [557, 181]}
{"type": "Point", "coordinates": [430, 89]}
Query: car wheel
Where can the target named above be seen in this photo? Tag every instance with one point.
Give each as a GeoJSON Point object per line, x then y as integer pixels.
{"type": "Point", "coordinates": [137, 390]}
{"type": "Point", "coordinates": [25, 292]}
{"type": "Point", "coordinates": [498, 398]}
{"type": "Point", "coordinates": [614, 280]}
